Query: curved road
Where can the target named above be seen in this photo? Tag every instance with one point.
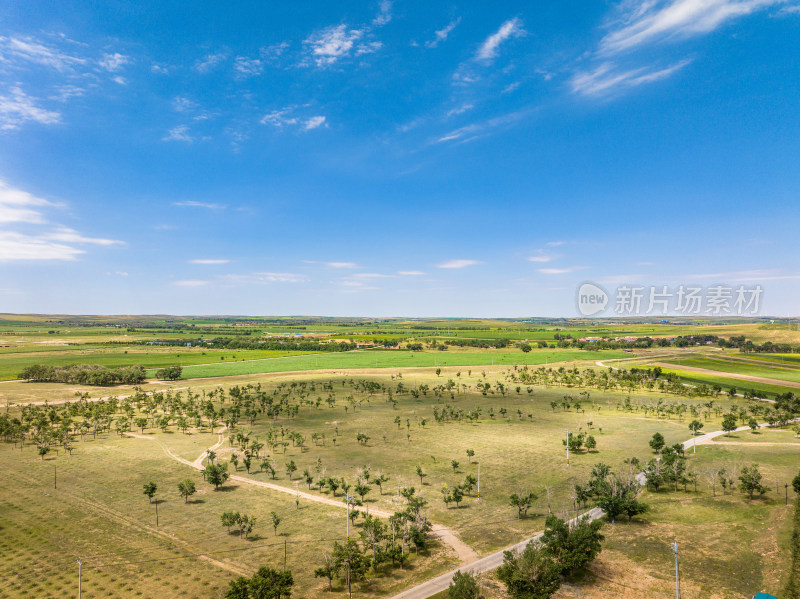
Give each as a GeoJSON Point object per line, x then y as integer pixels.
{"type": "Point", "coordinates": [495, 560]}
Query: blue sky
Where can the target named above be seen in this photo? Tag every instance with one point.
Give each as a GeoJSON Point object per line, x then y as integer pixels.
{"type": "Point", "coordinates": [394, 158]}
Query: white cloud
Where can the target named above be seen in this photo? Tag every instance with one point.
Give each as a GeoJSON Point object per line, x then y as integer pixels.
{"type": "Point", "coordinates": [182, 104]}
{"type": "Point", "coordinates": [19, 246]}
{"type": "Point", "coordinates": [385, 14]}
{"type": "Point", "coordinates": [179, 133]}
{"type": "Point", "coordinates": [209, 261]}
{"type": "Point", "coordinates": [209, 62]}
{"type": "Point", "coordinates": [511, 28]}
{"type": "Point", "coordinates": [18, 108]}
{"type": "Point", "coordinates": [65, 92]}
{"type": "Point", "coordinates": [457, 263]}
{"type": "Point", "coordinates": [341, 264]}
{"type": "Point", "coordinates": [194, 204]}
{"type": "Point", "coordinates": [50, 242]}
{"type": "Point", "coordinates": [542, 256]}
{"type": "Point", "coordinates": [113, 62]}
{"type": "Point", "coordinates": [314, 122]}
{"type": "Point", "coordinates": [285, 117]}
{"type": "Point", "coordinates": [16, 206]}
{"type": "Point", "coordinates": [560, 271]}
{"type": "Point", "coordinates": [441, 34]}
{"type": "Point", "coordinates": [247, 67]}
{"type": "Point", "coordinates": [368, 48]}
{"type": "Point", "coordinates": [159, 69]}
{"type": "Point", "coordinates": [332, 43]}
{"type": "Point", "coordinates": [553, 244]}
{"type": "Point", "coordinates": [191, 283]}
{"type": "Point", "coordinates": [67, 235]}
{"type": "Point", "coordinates": [32, 51]}
{"type": "Point", "coordinates": [262, 278]}
{"type": "Point", "coordinates": [120, 80]}
{"type": "Point", "coordinates": [459, 110]}
{"type": "Point", "coordinates": [660, 20]}
{"type": "Point", "coordinates": [410, 273]}
{"type": "Point", "coordinates": [607, 78]}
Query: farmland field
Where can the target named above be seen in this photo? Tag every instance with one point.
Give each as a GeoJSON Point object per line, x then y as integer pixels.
{"type": "Point", "coordinates": [341, 417]}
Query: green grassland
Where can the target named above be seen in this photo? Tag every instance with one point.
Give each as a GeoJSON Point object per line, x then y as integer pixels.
{"type": "Point", "coordinates": [152, 358]}
{"type": "Point", "coordinates": [737, 367]}
{"type": "Point", "coordinates": [99, 512]}
{"type": "Point", "coordinates": [394, 359]}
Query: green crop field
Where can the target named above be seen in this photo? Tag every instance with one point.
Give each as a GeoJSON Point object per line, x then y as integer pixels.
{"type": "Point", "coordinates": [736, 367]}
{"type": "Point", "coordinates": [395, 359]}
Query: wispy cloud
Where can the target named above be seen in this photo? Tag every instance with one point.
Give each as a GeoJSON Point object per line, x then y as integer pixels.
{"type": "Point", "coordinates": [742, 276]}
{"type": "Point", "coordinates": [542, 256]}
{"type": "Point", "coordinates": [314, 122]}
{"type": "Point", "coordinates": [384, 14]}
{"type": "Point", "coordinates": [341, 264]}
{"type": "Point", "coordinates": [210, 62]}
{"type": "Point", "coordinates": [209, 261]}
{"type": "Point", "coordinates": [49, 241]}
{"type": "Point", "coordinates": [459, 110]}
{"type": "Point", "coordinates": [113, 62]}
{"type": "Point", "coordinates": [247, 67]}
{"type": "Point", "coordinates": [654, 21]}
{"type": "Point", "coordinates": [191, 283]}
{"type": "Point", "coordinates": [475, 130]}
{"type": "Point", "coordinates": [33, 51]}
{"type": "Point", "coordinates": [67, 235]}
{"type": "Point", "coordinates": [179, 133]}
{"type": "Point", "coordinates": [558, 242]}
{"type": "Point", "coordinates": [560, 271]}
{"type": "Point", "coordinates": [489, 48]}
{"type": "Point", "coordinates": [194, 204]}
{"type": "Point", "coordinates": [332, 43]}
{"type": "Point", "coordinates": [442, 34]}
{"type": "Point", "coordinates": [18, 206]}
{"type": "Point", "coordinates": [263, 278]}
{"type": "Point", "coordinates": [460, 263]}
{"type": "Point", "coordinates": [285, 117]}
{"type": "Point", "coordinates": [607, 78]}
{"type": "Point", "coordinates": [18, 108]}
{"type": "Point", "coordinates": [410, 273]}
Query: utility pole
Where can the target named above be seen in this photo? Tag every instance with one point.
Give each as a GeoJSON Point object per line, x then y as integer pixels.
{"type": "Point", "coordinates": [80, 574]}
{"type": "Point", "coordinates": [567, 431]}
{"type": "Point", "coordinates": [677, 580]}
{"type": "Point", "coordinates": [347, 499]}
{"type": "Point", "coordinates": [479, 477]}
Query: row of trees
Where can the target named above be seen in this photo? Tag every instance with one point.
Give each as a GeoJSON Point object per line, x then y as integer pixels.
{"type": "Point", "coordinates": [84, 374]}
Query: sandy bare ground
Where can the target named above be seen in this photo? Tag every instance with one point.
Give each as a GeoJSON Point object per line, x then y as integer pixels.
{"type": "Point", "coordinates": [729, 375]}
{"type": "Point", "coordinates": [464, 552]}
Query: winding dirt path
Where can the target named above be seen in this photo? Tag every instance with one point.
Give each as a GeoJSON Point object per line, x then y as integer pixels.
{"type": "Point", "coordinates": [464, 552]}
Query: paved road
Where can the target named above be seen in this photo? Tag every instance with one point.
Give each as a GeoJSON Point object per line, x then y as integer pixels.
{"type": "Point", "coordinates": [495, 560]}
{"type": "Point", "coordinates": [485, 564]}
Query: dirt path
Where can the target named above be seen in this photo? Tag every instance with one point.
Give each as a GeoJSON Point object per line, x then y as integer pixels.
{"type": "Point", "coordinates": [464, 552]}
{"type": "Point", "coordinates": [729, 375]}
{"type": "Point", "coordinates": [55, 402]}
